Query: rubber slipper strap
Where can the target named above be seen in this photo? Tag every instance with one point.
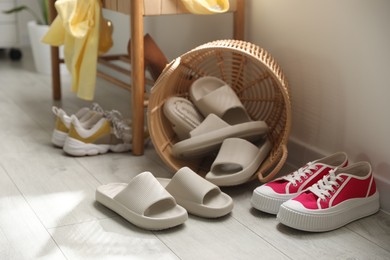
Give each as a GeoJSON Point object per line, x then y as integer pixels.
{"type": "Point", "coordinates": [189, 186]}
{"type": "Point", "coordinates": [234, 151]}
{"type": "Point", "coordinates": [211, 123]}
{"type": "Point", "coordinates": [142, 192]}
{"type": "Point", "coordinates": [221, 102]}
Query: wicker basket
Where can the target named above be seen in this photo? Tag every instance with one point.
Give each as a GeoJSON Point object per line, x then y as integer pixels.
{"type": "Point", "coordinates": [254, 76]}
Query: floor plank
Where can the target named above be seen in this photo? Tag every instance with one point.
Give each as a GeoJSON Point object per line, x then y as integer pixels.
{"type": "Point", "coordinates": [123, 167]}
{"type": "Point", "coordinates": [375, 228]}
{"type": "Point", "coordinates": [222, 238]}
{"type": "Point", "coordinates": [59, 190]}
{"type": "Point", "coordinates": [22, 235]}
{"type": "Point", "coordinates": [109, 239]}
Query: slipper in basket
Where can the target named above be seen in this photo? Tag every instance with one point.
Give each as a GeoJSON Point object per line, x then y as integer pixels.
{"type": "Point", "coordinates": [237, 161]}
{"type": "Point", "coordinates": [209, 135]}
{"type": "Point", "coordinates": [197, 195]}
{"type": "Point", "coordinates": [143, 202]}
{"type": "Point", "coordinates": [212, 95]}
{"type": "Point", "coordinates": [183, 115]}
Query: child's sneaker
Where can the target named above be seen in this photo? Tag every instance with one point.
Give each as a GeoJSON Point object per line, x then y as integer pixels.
{"type": "Point", "coordinates": [108, 133]}
{"type": "Point", "coordinates": [342, 196]}
{"type": "Point", "coordinates": [63, 121]}
{"type": "Point", "coordinates": [271, 195]}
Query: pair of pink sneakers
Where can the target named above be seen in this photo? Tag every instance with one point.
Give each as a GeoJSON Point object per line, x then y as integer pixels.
{"type": "Point", "coordinates": [322, 195]}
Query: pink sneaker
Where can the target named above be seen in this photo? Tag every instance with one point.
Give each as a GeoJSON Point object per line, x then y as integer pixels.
{"type": "Point", "coordinates": [270, 196]}
{"type": "Point", "coordinates": [342, 196]}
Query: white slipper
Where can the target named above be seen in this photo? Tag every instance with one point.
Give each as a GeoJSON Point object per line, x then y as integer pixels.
{"type": "Point", "coordinates": [183, 115]}
{"type": "Point", "coordinates": [143, 202]}
{"type": "Point", "coordinates": [197, 195]}
{"type": "Point", "coordinates": [212, 95]}
{"type": "Point", "coordinates": [237, 161]}
{"type": "Point", "coordinates": [209, 135]}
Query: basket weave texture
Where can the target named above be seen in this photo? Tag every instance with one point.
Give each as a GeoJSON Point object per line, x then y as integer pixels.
{"type": "Point", "coordinates": [255, 77]}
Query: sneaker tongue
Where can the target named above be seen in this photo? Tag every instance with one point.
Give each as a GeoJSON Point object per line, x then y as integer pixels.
{"type": "Point", "coordinates": [309, 195]}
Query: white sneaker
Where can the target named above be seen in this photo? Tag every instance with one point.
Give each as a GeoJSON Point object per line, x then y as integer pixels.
{"type": "Point", "coordinates": [63, 121]}
{"type": "Point", "coordinates": [107, 133]}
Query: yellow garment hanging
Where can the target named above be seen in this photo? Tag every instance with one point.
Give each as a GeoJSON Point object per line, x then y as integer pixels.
{"type": "Point", "coordinates": [85, 34]}
{"type": "Point", "coordinates": [206, 6]}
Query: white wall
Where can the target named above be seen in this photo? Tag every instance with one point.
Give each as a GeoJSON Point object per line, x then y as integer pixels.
{"type": "Point", "coordinates": [175, 34]}
{"type": "Point", "coordinates": [336, 55]}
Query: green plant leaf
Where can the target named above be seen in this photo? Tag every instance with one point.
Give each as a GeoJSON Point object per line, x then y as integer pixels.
{"type": "Point", "coordinates": [16, 9]}
{"type": "Point", "coordinates": [45, 11]}
{"type": "Point", "coordinates": [24, 8]}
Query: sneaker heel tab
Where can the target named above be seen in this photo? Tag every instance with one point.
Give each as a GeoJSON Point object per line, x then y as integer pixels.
{"type": "Point", "coordinates": [54, 109]}
{"type": "Point", "coordinates": [57, 111]}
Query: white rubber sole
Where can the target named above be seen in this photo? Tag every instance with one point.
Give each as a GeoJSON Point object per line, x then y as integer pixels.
{"type": "Point", "coordinates": [58, 138]}
{"type": "Point", "coordinates": [328, 219]}
{"type": "Point", "coordinates": [137, 219]}
{"type": "Point", "coordinates": [268, 204]}
{"type": "Point", "coordinates": [77, 148]}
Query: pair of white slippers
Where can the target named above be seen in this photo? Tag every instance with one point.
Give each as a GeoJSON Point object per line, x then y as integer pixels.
{"type": "Point", "coordinates": [159, 203]}
{"type": "Point", "coordinates": [215, 120]}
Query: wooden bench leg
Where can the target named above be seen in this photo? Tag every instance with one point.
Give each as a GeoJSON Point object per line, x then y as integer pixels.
{"type": "Point", "coordinates": [55, 58]}
{"type": "Point", "coordinates": [138, 76]}
{"type": "Point", "coordinates": [56, 76]}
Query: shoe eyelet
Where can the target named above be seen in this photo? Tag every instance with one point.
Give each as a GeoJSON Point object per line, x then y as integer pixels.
{"type": "Point", "coordinates": [337, 185]}
{"type": "Point", "coordinates": [305, 177]}
{"type": "Point", "coordinates": [295, 185]}
{"type": "Point", "coordinates": [329, 196]}
{"type": "Point", "coordinates": [300, 181]}
{"type": "Point", "coordinates": [341, 179]}
{"type": "Point", "coordinates": [324, 200]}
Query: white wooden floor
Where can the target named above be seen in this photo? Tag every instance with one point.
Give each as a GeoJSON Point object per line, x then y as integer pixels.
{"type": "Point", "coordinates": [47, 207]}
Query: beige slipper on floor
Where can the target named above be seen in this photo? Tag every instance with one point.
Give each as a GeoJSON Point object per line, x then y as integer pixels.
{"type": "Point", "coordinates": [197, 195]}
{"type": "Point", "coordinates": [143, 202]}
{"type": "Point", "coordinates": [237, 161]}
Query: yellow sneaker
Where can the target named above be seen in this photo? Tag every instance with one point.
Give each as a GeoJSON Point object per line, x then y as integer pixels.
{"type": "Point", "coordinates": [108, 133]}
{"type": "Point", "coordinates": [63, 121]}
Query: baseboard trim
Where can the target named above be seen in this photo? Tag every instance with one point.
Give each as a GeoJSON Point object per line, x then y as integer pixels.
{"type": "Point", "coordinates": [299, 153]}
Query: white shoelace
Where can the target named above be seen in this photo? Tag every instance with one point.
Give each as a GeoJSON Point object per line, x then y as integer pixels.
{"type": "Point", "coordinates": [301, 173]}
{"type": "Point", "coordinates": [326, 185]}
{"type": "Point", "coordinates": [96, 107]}
{"type": "Point", "coordinates": [121, 127]}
